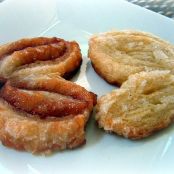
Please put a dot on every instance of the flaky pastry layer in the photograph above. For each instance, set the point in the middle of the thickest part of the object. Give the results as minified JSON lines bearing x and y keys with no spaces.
{"x":143,"y":105}
{"x":40,"y":111}
{"x":118,"y":54}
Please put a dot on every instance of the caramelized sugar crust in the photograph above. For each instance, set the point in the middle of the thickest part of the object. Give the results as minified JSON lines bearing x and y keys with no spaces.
{"x":40,"y":111}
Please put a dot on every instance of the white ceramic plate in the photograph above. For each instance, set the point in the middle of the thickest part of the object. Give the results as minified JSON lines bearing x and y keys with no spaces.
{"x":77,"y":20}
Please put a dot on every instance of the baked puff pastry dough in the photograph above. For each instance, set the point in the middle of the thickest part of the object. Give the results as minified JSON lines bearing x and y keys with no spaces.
{"x":118,"y":54}
{"x":143,"y":105}
{"x":40,"y":111}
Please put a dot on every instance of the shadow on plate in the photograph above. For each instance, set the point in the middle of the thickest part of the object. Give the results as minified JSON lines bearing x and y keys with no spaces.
{"x":161,"y":134}
{"x":94,"y":134}
{"x":98,"y":85}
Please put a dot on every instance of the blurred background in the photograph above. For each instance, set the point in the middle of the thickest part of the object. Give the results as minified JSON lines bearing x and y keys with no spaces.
{"x":164,"y":7}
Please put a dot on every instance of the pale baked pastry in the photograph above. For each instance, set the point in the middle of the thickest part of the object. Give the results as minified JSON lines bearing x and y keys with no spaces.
{"x":118,"y":54}
{"x":39,"y":110}
{"x":143,"y":104}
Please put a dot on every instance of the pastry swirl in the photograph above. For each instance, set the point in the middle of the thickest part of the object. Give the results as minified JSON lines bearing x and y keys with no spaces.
{"x":40,"y":111}
{"x":38,"y":56}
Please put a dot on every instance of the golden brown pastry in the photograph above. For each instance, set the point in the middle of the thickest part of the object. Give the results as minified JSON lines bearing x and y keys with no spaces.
{"x":118,"y":54}
{"x":39,"y":56}
{"x":39,"y":110}
{"x":143,"y":104}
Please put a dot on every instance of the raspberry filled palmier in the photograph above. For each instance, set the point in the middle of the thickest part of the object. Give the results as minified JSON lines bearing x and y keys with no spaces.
{"x":40,"y":111}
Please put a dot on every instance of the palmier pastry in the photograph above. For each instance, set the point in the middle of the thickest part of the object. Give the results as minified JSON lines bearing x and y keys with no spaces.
{"x":116,"y":55}
{"x":38,"y":56}
{"x":39,"y":110}
{"x":143,"y":104}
